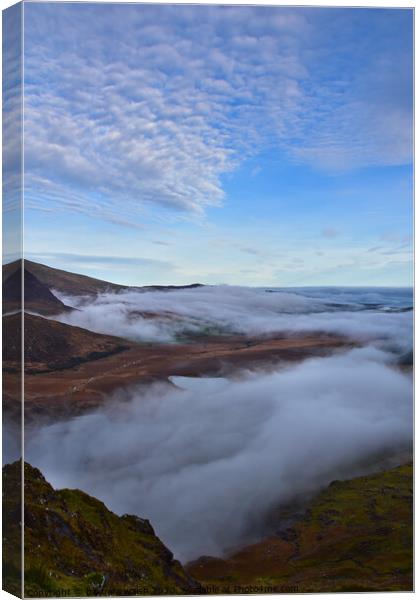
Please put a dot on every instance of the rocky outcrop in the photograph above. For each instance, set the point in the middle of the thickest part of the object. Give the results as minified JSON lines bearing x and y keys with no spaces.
{"x":75,"y":546}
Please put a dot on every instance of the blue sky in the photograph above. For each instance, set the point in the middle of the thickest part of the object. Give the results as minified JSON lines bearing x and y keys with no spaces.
{"x":240,"y":145}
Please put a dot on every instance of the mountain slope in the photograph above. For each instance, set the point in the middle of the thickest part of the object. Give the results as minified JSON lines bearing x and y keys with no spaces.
{"x":75,"y":284}
{"x":75,"y":546}
{"x":38,"y":297}
{"x":63,"y":281}
{"x":50,"y":345}
{"x":356,"y":536}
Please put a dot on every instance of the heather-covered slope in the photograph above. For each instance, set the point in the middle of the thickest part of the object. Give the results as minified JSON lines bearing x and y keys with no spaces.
{"x":356,"y":536}
{"x":75,"y":284}
{"x":37,"y":298}
{"x":75,"y":545}
{"x":50,"y":345}
{"x":63,"y":281}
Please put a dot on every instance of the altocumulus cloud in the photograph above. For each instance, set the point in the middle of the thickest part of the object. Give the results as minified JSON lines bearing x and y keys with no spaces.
{"x":150,"y":106}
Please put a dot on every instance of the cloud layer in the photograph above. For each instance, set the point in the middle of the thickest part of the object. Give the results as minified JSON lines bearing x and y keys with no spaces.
{"x":206,"y":465}
{"x":369,"y":314}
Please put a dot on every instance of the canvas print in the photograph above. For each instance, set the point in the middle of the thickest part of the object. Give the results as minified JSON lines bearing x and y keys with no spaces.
{"x":207,"y":299}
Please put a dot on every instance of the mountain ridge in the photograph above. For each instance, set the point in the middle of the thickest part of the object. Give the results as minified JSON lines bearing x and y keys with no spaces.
{"x":37,"y":295}
{"x":75,"y":284}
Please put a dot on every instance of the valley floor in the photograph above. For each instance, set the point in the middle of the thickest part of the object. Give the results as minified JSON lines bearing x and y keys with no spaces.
{"x":62,"y":392}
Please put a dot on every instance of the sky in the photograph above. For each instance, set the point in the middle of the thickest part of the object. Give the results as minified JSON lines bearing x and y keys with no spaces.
{"x":219,"y":144}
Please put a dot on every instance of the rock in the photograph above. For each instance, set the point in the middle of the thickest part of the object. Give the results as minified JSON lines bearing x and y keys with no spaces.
{"x":75,"y":546}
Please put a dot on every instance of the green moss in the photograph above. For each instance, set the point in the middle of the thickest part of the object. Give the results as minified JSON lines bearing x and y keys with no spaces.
{"x":356,"y":536}
{"x":75,"y":546}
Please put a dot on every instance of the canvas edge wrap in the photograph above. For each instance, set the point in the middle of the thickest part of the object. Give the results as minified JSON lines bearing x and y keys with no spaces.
{"x":12,"y":213}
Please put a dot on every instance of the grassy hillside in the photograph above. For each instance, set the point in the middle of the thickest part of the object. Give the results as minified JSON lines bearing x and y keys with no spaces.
{"x":50,"y":345}
{"x":75,"y":545}
{"x":356,"y":536}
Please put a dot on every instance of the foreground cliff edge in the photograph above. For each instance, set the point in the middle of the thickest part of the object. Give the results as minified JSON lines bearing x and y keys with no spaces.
{"x":75,"y":546}
{"x":355,"y":536}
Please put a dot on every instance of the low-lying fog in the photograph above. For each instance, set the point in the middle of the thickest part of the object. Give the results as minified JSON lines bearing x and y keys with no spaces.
{"x":206,"y":464}
{"x":367,"y":314}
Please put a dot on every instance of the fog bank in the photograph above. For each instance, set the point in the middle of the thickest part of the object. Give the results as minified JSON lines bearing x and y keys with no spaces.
{"x":206,"y":464}
{"x":166,"y":316}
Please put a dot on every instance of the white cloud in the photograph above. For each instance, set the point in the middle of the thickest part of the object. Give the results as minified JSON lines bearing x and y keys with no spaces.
{"x":207,"y":464}
{"x":241,"y":310}
{"x":141,"y":107}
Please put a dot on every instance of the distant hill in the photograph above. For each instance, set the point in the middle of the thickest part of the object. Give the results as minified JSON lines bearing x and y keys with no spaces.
{"x":37,"y":297}
{"x":75,"y":546}
{"x":50,"y":345}
{"x":79,"y":285}
{"x":63,"y":281}
{"x":170,"y":288}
